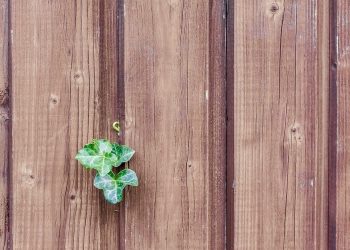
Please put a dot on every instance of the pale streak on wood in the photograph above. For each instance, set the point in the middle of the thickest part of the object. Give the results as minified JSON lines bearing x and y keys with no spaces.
{"x":278,"y":159}
{"x":342,"y":66}
{"x":166,"y":78}
{"x":56,"y":104}
{"x":321,"y":183}
{"x":4,"y":127}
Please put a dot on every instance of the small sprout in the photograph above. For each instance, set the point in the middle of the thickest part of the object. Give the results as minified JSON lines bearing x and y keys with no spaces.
{"x":116,"y":127}
{"x":103,"y":156}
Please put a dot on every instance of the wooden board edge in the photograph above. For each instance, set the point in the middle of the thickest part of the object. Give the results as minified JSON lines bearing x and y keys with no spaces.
{"x":332,"y":127}
{"x":5,"y":129}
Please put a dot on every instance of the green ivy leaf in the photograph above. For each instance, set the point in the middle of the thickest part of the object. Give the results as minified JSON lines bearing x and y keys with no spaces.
{"x":124,"y":153}
{"x":102,"y":156}
{"x":113,"y":185}
{"x":104,"y":182}
{"x":127,"y":177}
{"x":98,"y":155}
{"x":103,"y":146}
{"x":114,"y":195}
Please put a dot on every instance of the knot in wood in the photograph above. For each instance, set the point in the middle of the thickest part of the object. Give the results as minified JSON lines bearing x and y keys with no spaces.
{"x":4,"y":97}
{"x":274,"y":7}
{"x":4,"y":116}
{"x":54,"y":99}
{"x":77,"y":76}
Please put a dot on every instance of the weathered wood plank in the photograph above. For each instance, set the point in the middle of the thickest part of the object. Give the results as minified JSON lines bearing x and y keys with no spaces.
{"x":167,"y":93}
{"x":277,"y":124}
{"x":63,"y":89}
{"x":4,"y":126}
{"x":217,"y":125}
{"x":339,"y":219}
{"x":109,"y":107}
{"x":323,"y":125}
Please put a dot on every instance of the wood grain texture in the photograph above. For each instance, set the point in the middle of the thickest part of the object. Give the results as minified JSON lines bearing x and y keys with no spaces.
{"x":108,"y":107}
{"x":63,"y":96}
{"x":323,"y":78}
{"x":217,"y":125}
{"x":4,"y":126}
{"x":277,"y":124}
{"x":168,"y":86}
{"x":341,"y":85}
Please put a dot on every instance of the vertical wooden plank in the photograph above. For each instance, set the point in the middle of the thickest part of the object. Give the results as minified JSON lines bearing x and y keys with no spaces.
{"x":277,"y":124}
{"x":341,"y":85}
{"x":323,"y":125}
{"x":4,"y":125}
{"x":63,"y":96}
{"x":168,"y":86}
{"x":333,"y":130}
{"x":109,"y":107}
{"x":217,"y":125}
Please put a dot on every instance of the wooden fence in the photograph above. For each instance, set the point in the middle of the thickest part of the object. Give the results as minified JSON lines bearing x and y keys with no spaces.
{"x":238,"y":111}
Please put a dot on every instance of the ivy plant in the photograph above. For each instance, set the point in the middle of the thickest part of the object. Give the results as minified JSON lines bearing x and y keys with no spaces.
{"x":103,"y":156}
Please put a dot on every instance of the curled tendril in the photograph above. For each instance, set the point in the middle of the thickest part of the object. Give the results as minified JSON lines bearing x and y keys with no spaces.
{"x":116,"y":127}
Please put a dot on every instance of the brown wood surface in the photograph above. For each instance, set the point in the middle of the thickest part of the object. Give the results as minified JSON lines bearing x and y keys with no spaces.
{"x":277,"y":124}
{"x":169,"y":86}
{"x":63,"y":96}
{"x":260,"y":95}
{"x":4,"y":126}
{"x":339,"y":219}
